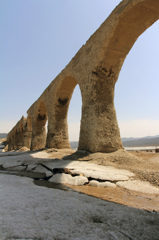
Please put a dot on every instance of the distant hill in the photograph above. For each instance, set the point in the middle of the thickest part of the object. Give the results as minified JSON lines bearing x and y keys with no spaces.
{"x":141,"y":142}
{"x":74,"y":144}
{"x":132,"y":142}
{"x":3,"y":135}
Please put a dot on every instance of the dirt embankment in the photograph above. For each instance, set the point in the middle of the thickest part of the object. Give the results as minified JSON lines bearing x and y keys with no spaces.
{"x":145,"y":166}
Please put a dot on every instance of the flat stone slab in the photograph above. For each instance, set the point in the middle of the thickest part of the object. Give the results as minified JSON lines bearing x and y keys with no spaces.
{"x":95,"y":183}
{"x":139,"y":186}
{"x":92,"y":170}
{"x":109,"y":174}
{"x":41,"y":165}
{"x":66,"y":178}
{"x":42,"y":169}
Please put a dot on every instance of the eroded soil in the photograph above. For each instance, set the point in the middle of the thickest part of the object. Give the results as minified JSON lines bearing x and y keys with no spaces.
{"x":145,"y":165}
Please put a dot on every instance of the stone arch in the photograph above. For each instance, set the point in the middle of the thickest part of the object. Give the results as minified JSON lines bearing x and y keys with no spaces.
{"x":134,"y":17}
{"x":38,"y":122}
{"x":99,"y":128}
{"x":57,"y":118}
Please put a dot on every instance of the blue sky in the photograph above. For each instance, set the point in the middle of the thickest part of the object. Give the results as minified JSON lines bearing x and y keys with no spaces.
{"x":40,"y":37}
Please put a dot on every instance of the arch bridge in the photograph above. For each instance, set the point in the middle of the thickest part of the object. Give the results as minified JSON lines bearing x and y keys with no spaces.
{"x":96,"y":68}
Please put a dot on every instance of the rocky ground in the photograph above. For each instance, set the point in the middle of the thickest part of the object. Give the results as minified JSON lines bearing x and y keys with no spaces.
{"x":128,"y":178}
{"x":145,"y":168}
{"x":32,"y":205}
{"x":135,"y":192}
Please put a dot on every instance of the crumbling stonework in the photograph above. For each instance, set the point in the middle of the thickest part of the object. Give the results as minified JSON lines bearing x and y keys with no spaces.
{"x":95,"y":68}
{"x":20,"y":135}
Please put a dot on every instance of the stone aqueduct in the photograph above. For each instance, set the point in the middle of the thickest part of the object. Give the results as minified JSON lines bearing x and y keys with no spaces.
{"x":95,"y":68}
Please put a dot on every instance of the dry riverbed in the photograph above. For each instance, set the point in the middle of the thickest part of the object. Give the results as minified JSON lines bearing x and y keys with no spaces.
{"x":130,"y":179}
{"x":41,"y":196}
{"x":145,"y":166}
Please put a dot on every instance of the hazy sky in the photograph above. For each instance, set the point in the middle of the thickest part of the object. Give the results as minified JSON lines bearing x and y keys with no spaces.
{"x":40,"y":37}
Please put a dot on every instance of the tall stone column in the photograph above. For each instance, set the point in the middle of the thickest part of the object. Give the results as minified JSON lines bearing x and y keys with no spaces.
{"x":99,"y":128}
{"x":10,"y":140}
{"x":57,"y":136}
{"x":19,"y":139}
{"x":27,"y":138}
{"x":27,"y":133}
{"x":38,"y":132}
{"x":14,"y":141}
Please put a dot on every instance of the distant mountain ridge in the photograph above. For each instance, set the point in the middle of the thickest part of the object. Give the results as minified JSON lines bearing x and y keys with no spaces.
{"x":132,"y":142}
{"x":141,"y":142}
{"x":132,"y":138}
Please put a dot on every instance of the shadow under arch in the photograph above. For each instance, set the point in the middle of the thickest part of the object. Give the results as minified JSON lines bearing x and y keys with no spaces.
{"x":57,"y":136}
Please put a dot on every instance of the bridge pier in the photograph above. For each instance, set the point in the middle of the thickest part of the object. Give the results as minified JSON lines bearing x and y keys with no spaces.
{"x":27,"y":135}
{"x":11,"y":142}
{"x":27,"y":138}
{"x":57,"y":136}
{"x":99,"y":127}
{"x":38,"y":140}
{"x":19,"y":139}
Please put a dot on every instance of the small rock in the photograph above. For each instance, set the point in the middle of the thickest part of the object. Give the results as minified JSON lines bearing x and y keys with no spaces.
{"x":40,"y":169}
{"x":5,"y":149}
{"x":67,"y":178}
{"x":101,"y":184}
{"x":94,"y":183}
